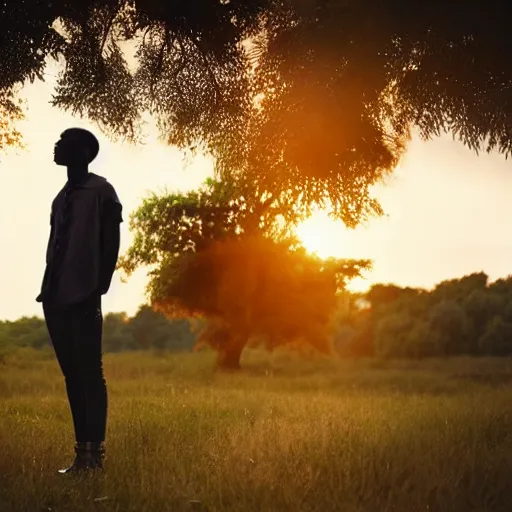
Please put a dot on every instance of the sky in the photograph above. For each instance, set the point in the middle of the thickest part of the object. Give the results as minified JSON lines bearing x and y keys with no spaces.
{"x":448,"y":211}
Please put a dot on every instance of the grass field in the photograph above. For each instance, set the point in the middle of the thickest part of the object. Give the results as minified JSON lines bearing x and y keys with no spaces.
{"x":285,"y":435}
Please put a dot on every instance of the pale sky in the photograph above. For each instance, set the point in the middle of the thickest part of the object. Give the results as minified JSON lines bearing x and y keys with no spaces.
{"x":449,"y":211}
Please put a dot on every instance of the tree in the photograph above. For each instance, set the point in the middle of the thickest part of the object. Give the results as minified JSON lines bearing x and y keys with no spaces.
{"x":481,"y":306}
{"x":403,"y":336}
{"x":458,"y":289}
{"x":497,"y":338}
{"x":25,"y":332}
{"x":450,"y":323}
{"x":146,"y":330}
{"x":116,"y":333}
{"x":467,"y":316}
{"x":380,"y":295}
{"x":502,"y":287}
{"x":307,"y":101}
{"x":151,"y":330}
{"x":219,"y":257}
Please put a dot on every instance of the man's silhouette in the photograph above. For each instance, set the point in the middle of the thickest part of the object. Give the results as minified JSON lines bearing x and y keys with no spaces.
{"x":81,"y":258}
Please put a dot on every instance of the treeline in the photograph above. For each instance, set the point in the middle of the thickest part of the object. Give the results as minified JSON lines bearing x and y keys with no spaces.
{"x":147,"y":329}
{"x":467,"y":316}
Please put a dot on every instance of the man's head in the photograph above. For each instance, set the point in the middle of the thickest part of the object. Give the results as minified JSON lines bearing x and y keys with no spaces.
{"x":76,"y":147}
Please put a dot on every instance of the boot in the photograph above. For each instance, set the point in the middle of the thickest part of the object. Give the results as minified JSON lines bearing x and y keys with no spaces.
{"x":89,"y":457}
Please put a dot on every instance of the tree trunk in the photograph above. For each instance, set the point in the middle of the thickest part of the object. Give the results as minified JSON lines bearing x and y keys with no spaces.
{"x":228,"y":358}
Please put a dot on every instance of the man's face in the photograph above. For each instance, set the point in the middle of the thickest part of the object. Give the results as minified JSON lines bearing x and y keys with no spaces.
{"x":69,"y":150}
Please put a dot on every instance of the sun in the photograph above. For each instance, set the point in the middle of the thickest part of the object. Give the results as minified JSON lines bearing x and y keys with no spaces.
{"x":323,"y":236}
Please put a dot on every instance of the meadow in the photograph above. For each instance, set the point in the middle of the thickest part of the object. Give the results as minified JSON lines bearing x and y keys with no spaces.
{"x":284,"y":435}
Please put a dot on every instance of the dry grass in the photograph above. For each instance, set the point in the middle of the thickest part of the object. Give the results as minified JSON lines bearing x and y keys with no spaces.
{"x":290,"y":436}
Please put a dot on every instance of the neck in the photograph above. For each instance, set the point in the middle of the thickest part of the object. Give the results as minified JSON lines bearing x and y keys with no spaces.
{"x":77,"y":173}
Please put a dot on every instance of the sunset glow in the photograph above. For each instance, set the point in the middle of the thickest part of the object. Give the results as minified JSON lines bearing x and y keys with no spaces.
{"x":464,"y":235}
{"x":323,"y":236}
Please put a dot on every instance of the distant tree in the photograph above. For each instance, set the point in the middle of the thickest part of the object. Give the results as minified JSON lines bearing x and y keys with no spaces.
{"x":344,"y":339}
{"x":502,"y":287}
{"x":424,"y":341}
{"x":116,"y":334}
{"x":27,"y":332}
{"x":37,"y":338}
{"x":497,"y":338}
{"x":391,"y":336}
{"x":382,"y":295}
{"x":458,"y":289}
{"x":152,"y":330}
{"x":402,"y":336}
{"x":507,"y":311}
{"x":384,"y":298}
{"x":450,"y":323}
{"x":460,"y":316}
{"x":481,"y":306}
{"x":147,"y":329}
{"x":354,"y":327}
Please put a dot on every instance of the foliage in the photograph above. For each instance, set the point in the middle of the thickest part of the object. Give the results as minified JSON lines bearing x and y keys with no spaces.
{"x":497,"y":338}
{"x":467,"y":316}
{"x":450,"y":323}
{"x":146,"y":330}
{"x":222,"y":259}
{"x":400,"y":335}
{"x":150,"y":329}
{"x":301,"y":101}
{"x":10,"y":114}
{"x":174,"y":224}
{"x":415,"y":324}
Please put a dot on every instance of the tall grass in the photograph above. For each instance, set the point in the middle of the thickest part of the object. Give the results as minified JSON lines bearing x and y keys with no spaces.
{"x":285,"y":435}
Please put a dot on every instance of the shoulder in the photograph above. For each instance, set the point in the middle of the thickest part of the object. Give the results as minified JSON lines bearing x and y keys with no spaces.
{"x":110,"y":205}
{"x":103,"y":187}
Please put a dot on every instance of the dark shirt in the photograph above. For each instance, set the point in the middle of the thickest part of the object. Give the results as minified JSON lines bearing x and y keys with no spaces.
{"x":84,"y":241}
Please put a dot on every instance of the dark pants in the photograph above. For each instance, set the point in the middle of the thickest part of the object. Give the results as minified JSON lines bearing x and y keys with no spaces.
{"x":76,"y":333}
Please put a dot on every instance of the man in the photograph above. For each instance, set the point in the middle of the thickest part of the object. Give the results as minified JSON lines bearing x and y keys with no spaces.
{"x":81,"y":258}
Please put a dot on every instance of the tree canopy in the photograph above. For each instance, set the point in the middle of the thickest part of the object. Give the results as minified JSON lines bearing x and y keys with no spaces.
{"x":466,"y":316}
{"x":304,"y":100}
{"x":214,"y":256}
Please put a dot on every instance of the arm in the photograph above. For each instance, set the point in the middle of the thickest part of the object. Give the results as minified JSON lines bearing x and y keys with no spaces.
{"x":52,"y":234}
{"x":44,"y":285}
{"x":111,"y":218}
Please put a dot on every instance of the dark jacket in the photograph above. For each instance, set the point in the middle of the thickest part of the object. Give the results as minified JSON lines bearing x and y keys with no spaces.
{"x":84,"y":242}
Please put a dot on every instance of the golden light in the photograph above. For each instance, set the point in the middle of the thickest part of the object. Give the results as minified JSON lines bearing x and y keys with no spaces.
{"x":326,"y":238}
{"x":323,"y":236}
